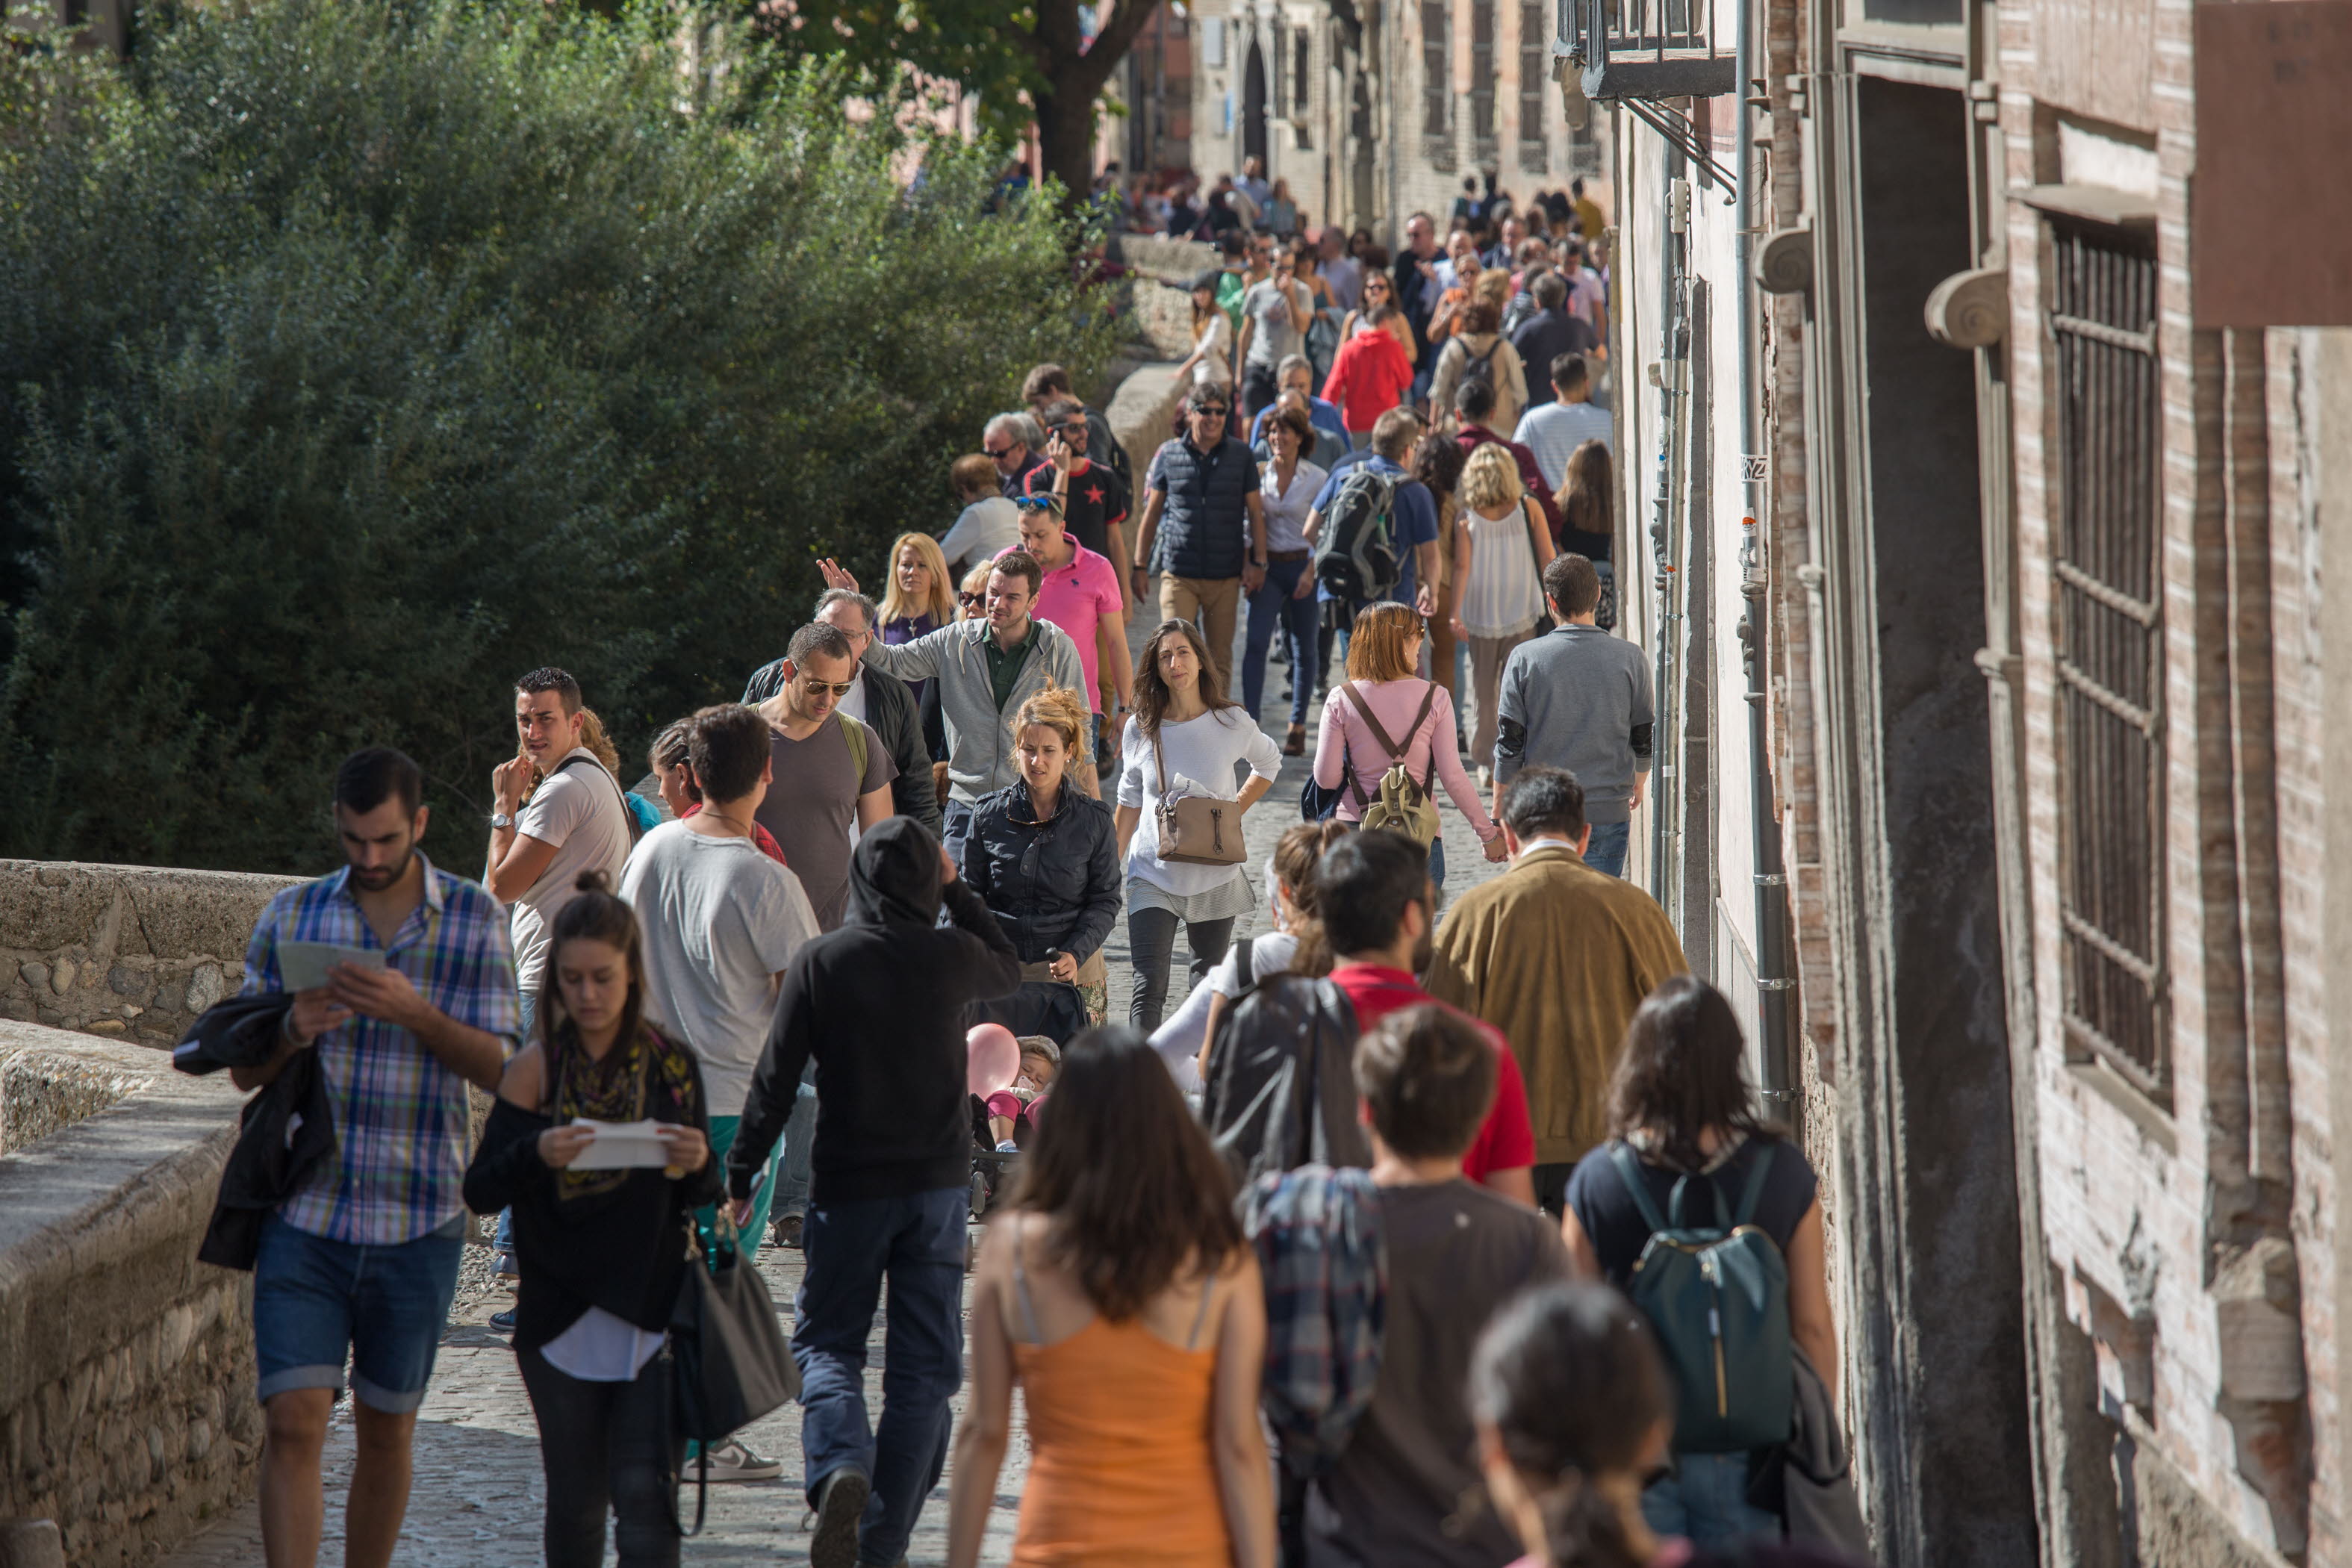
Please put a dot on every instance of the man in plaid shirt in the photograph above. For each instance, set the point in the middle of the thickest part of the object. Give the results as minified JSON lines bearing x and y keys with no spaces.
{"x":363,"y":1261}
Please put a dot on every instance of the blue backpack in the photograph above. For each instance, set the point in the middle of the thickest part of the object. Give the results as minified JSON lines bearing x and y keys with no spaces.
{"x":1717,"y":1300}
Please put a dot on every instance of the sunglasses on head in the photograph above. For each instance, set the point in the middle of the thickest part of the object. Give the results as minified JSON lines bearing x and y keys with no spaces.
{"x":1036,"y":503}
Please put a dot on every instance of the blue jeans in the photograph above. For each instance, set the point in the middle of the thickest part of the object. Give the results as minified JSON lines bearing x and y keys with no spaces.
{"x":1707,"y":1499}
{"x":316,"y":1301}
{"x":918,"y":1243}
{"x":1606,"y":852}
{"x":799,"y":1149}
{"x":1272,"y":609}
{"x":1437,"y":862}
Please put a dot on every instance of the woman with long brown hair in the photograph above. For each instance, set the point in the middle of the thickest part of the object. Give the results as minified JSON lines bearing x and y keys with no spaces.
{"x":601,"y":1251}
{"x":1185,"y":737}
{"x":1116,"y":1291}
{"x":1587,"y":522}
{"x":1480,"y":341}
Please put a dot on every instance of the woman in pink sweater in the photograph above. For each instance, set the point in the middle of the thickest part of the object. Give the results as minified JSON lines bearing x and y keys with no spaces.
{"x":1383,"y":653}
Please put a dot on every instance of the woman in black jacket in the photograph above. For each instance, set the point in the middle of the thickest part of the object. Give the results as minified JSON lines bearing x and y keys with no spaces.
{"x":1046,"y":858}
{"x":601,"y":1251}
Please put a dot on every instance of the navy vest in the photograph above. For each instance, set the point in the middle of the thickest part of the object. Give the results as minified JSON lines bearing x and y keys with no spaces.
{"x":1205,"y":527}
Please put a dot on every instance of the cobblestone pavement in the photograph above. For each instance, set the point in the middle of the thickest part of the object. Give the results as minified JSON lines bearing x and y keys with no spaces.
{"x":477,"y":1496}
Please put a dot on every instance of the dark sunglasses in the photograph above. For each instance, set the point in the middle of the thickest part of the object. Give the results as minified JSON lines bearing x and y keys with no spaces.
{"x":998,"y":452}
{"x":971,"y":601}
{"x":838,"y":688}
{"x":1214,"y":410}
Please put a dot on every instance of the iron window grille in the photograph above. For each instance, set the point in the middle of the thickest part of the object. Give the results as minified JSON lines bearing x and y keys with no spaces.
{"x":1437,"y":81}
{"x":1482,"y":80}
{"x":2110,"y":650}
{"x":1642,"y":51}
{"x":1535,"y":77}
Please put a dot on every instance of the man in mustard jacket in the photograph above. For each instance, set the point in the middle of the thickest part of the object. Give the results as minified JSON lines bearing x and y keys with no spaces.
{"x":1557,"y":955}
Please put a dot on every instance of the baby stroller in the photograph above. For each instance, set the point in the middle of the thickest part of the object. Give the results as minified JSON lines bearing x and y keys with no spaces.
{"x":993,"y":1167}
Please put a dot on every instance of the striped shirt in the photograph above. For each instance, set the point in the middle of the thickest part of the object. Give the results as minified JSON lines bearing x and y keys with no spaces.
{"x":401,"y":1118}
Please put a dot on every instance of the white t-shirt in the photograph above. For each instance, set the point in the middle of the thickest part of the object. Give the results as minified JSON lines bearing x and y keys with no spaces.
{"x":578,"y":811}
{"x":986,"y":530}
{"x":1205,"y":750}
{"x":720,"y":922}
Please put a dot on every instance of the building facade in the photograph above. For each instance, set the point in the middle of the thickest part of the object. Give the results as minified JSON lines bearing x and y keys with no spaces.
{"x":1373,"y":110}
{"x":2018,"y":859}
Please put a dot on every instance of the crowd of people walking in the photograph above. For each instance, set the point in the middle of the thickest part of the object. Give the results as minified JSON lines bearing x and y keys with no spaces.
{"x":1258,"y":1311}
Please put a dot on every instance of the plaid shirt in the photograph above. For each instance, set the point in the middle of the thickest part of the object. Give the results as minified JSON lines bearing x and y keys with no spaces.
{"x":401,"y":1125}
{"x":1316,"y":1231}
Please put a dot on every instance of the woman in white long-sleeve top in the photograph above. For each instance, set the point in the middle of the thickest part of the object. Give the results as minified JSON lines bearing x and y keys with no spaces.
{"x":1184,"y":727}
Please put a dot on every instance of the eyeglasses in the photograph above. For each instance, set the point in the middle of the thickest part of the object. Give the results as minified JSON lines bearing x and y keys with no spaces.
{"x":971,"y":601}
{"x":999,"y":453}
{"x":1209,"y":410}
{"x":1036,"y":503}
{"x":838,"y":688}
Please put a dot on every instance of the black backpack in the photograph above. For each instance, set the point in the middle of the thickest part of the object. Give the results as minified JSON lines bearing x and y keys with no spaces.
{"x":1281,"y":1092}
{"x":1480,"y":367}
{"x":1355,"y":554}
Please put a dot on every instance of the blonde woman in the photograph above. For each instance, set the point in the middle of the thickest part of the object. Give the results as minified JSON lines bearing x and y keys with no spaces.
{"x":921,"y":598}
{"x":1043,"y":855}
{"x":1501,"y":546}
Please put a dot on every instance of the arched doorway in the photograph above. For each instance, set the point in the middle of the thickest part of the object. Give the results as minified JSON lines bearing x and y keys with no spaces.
{"x":1253,"y":105}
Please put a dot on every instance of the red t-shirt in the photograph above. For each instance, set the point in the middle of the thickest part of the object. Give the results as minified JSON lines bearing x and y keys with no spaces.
{"x":1369,"y":376}
{"x":1507,"y":1138}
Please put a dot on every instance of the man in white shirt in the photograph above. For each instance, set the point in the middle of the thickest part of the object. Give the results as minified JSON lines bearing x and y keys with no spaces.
{"x":1554,"y":431}
{"x":721,"y":922}
{"x":990,"y":523}
{"x":575,"y":821}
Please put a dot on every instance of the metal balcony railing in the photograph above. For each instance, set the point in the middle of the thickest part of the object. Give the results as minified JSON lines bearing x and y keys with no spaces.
{"x":1651,"y":49}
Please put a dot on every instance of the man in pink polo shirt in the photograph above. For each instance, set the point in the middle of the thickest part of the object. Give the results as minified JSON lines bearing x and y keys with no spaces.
{"x":1081,"y":595}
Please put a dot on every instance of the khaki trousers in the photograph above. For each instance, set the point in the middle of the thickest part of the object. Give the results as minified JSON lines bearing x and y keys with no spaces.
{"x":1215,"y":603}
{"x":1487,"y":656}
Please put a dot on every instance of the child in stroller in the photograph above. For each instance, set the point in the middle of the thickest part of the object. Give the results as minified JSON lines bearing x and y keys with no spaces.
{"x":1002,"y":1121}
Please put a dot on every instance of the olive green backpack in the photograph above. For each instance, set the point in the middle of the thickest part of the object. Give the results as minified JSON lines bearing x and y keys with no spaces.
{"x":1404,"y":804}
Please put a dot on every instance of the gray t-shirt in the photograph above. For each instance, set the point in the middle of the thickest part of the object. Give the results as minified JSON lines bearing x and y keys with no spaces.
{"x":1274,"y":336}
{"x":721,"y":921}
{"x":578,"y":811}
{"x":812,"y":805}
{"x":1455,"y":1253}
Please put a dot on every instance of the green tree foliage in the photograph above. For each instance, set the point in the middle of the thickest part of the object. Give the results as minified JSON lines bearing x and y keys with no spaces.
{"x":354,"y":359}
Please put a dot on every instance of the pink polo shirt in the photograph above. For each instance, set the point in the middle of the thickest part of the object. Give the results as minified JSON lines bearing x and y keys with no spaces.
{"x":1075,"y":598}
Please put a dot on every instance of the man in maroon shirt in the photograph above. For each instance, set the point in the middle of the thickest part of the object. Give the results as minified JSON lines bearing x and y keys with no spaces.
{"x":1373,"y":896}
{"x":1474,"y":405}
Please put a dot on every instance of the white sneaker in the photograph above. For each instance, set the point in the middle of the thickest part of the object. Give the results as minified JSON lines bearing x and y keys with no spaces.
{"x":731,"y":1462}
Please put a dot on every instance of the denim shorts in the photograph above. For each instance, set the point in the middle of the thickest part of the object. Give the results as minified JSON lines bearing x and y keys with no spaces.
{"x":318,"y":1302}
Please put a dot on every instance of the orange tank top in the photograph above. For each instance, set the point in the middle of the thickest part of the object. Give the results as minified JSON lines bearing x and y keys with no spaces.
{"x":1121,"y":1467}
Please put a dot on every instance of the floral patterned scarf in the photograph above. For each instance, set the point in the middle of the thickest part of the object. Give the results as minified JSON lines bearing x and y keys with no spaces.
{"x":614,"y":1089}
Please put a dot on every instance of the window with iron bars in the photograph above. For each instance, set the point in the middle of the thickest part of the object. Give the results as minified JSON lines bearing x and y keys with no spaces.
{"x":2110,"y":650}
{"x":1535,"y":76}
{"x":1302,"y":72}
{"x":1482,"y":78}
{"x":1436,"y":69}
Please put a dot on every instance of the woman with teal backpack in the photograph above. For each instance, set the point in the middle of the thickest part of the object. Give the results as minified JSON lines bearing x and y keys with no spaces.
{"x":1711,"y":1220}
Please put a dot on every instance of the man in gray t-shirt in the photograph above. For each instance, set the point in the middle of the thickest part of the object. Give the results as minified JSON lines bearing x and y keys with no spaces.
{"x":831,"y":770}
{"x":1275,"y":315}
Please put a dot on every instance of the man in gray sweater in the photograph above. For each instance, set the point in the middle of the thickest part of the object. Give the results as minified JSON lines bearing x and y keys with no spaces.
{"x":986,"y":668}
{"x":1578,"y":697}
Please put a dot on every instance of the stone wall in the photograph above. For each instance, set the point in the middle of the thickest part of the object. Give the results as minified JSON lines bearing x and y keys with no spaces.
{"x":126,"y":1367}
{"x":122,"y":951}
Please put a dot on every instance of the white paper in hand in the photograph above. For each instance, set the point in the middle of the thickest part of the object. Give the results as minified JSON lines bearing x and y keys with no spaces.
{"x":621,"y":1146}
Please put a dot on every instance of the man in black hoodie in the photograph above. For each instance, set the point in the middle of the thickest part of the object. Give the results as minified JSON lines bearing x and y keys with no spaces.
{"x":880,"y":1004}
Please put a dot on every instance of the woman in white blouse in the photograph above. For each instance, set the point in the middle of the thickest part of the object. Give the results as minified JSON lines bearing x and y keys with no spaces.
{"x":1500,"y":547}
{"x":1184,"y":727}
{"x":1284,"y":602}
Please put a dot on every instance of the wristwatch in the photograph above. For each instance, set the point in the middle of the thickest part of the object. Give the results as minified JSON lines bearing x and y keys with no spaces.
{"x":499,"y":819}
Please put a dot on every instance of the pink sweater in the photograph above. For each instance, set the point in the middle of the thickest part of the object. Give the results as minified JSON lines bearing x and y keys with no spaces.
{"x":1394,"y":702}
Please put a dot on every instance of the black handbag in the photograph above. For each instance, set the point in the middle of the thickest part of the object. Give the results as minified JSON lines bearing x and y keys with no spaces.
{"x":731,"y":1363}
{"x":1316,"y":804}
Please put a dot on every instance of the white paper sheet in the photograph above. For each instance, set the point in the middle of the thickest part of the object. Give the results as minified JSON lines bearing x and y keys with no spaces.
{"x":621,"y":1146}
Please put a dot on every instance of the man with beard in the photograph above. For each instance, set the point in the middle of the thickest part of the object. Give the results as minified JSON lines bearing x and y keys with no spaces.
{"x":360,"y":1262}
{"x":879,"y":1006}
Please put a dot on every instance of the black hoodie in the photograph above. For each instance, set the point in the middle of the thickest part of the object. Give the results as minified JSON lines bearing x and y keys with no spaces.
{"x":880,"y":1005}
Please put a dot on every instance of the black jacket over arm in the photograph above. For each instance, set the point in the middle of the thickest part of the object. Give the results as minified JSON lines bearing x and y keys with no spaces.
{"x":879,"y":1004}
{"x":1053,"y":884}
{"x":624,"y":1250}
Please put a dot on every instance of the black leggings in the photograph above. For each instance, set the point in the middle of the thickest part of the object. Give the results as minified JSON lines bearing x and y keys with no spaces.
{"x":1152,"y":946}
{"x":605,"y":1445}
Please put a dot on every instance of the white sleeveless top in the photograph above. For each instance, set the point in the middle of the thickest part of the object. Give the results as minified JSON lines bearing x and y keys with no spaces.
{"x":1503,"y":596}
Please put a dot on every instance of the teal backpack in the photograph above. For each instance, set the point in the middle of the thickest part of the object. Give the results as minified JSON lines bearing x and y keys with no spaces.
{"x":1717,"y":1300}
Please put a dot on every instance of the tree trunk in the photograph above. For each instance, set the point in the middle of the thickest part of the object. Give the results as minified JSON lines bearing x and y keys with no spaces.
{"x":1074,"y":79}
{"x":1065,"y":140}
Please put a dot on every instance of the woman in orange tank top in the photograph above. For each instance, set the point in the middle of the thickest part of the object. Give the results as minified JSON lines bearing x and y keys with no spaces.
{"x":1116,"y":1289}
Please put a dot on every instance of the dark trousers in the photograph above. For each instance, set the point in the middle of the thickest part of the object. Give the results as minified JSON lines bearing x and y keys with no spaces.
{"x":1272,"y":610}
{"x":1259,"y":388}
{"x":605,"y":1445}
{"x":916,"y":1242}
{"x":1151,"y":946}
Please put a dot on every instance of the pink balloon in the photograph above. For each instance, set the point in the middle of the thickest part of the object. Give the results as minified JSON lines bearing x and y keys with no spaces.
{"x":992,"y":1058}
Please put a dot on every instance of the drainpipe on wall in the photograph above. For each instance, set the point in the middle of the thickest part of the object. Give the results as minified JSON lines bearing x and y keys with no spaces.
{"x":1774,"y":981}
